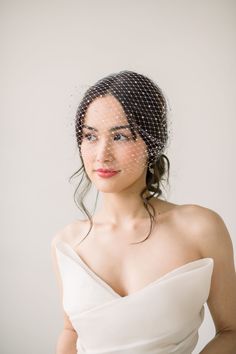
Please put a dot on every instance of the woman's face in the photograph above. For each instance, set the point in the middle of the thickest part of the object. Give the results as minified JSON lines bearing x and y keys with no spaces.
{"x":105,"y":145}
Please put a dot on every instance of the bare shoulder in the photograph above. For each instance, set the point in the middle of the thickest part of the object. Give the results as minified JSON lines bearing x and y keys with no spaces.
{"x":209,"y":232}
{"x":206,"y":227}
{"x":196,"y":216}
{"x":70,"y":232}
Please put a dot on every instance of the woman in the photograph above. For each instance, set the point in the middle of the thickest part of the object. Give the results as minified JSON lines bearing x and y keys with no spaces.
{"x":137,"y":280}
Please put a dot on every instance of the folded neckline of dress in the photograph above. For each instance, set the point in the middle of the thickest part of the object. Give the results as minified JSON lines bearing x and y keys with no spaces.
{"x":192,"y":265}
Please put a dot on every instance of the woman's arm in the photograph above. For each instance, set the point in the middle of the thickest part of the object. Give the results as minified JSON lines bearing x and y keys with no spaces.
{"x":214,"y":241}
{"x":66,"y":343}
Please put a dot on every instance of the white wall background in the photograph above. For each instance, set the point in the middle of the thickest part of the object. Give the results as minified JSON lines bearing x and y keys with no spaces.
{"x":50,"y":49}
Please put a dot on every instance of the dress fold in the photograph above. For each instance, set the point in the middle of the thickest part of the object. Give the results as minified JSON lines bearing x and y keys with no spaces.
{"x":163,"y":317}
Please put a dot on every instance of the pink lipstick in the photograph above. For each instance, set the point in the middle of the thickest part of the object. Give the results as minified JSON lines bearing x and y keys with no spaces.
{"x":106,"y":173}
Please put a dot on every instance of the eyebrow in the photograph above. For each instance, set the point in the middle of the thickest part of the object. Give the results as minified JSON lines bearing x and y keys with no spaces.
{"x":111,"y":129}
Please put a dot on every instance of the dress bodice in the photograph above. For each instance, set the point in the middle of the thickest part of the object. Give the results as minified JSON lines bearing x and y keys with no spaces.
{"x":163,"y":317}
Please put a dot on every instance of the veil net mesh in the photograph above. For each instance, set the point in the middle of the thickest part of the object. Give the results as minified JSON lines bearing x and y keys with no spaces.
{"x":122,"y":124}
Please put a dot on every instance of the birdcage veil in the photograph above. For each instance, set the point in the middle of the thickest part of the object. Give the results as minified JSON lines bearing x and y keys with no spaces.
{"x":144,"y":106}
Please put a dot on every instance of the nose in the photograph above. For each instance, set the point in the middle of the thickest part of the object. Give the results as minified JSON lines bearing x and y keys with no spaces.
{"x":104,"y":151}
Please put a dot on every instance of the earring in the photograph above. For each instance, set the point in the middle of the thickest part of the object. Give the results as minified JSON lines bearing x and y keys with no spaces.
{"x":151,"y":170}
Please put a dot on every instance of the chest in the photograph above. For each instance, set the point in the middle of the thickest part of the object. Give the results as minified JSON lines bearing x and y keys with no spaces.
{"x":128,"y":268}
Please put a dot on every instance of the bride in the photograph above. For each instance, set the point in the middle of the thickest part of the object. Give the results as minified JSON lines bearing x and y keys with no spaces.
{"x":134,"y":277}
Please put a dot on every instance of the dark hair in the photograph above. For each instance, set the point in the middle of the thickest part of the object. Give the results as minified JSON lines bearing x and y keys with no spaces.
{"x":128,"y":87}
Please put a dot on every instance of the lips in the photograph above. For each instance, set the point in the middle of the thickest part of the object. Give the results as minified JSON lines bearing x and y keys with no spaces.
{"x":105,"y":170}
{"x":103,"y":173}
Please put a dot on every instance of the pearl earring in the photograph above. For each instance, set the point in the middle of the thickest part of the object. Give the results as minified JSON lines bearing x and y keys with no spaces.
{"x":150,"y":168}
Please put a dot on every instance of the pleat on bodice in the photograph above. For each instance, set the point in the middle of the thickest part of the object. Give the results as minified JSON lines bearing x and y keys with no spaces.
{"x":163,"y":317}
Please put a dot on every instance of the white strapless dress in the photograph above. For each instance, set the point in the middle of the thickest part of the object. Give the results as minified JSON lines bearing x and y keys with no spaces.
{"x":163,"y":317}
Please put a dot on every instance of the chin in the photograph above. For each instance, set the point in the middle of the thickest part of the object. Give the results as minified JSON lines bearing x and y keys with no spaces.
{"x":107,"y":188}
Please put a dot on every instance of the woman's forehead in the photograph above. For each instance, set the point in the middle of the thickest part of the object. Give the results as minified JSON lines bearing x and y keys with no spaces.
{"x":105,"y":112}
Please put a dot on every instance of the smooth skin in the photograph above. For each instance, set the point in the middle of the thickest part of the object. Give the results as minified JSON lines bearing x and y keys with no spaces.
{"x":181,"y":233}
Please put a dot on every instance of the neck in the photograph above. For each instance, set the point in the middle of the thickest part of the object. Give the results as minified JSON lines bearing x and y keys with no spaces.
{"x":122,"y":208}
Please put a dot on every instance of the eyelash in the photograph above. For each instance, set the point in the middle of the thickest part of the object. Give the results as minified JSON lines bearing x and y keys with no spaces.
{"x":127,"y":138}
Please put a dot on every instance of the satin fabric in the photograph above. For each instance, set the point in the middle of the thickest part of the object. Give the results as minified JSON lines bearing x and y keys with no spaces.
{"x":163,"y":317}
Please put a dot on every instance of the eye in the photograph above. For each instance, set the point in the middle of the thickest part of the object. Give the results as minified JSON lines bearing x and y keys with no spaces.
{"x":87,"y":136}
{"x":119,"y":134}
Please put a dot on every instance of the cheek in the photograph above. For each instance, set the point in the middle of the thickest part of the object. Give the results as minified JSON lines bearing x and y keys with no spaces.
{"x":133,"y":159}
{"x":87,"y":159}
{"x":87,"y":153}
{"x":137,"y":154}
